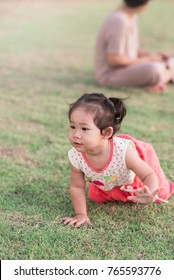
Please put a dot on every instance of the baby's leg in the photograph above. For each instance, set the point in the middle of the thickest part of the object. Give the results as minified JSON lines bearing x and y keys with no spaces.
{"x":148,"y":154}
{"x":98,"y":195}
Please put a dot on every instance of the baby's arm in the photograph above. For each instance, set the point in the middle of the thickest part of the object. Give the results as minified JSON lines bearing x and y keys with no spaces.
{"x":146,"y":175}
{"x":77,"y":191}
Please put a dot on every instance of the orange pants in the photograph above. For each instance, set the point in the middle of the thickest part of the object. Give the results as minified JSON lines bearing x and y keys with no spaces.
{"x":100,"y":196}
{"x":148,"y":154}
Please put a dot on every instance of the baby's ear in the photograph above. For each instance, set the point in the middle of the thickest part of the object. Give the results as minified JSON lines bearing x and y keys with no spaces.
{"x":107,"y":132}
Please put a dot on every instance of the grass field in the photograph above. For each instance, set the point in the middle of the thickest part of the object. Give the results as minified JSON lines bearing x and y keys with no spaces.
{"x":46,"y":61}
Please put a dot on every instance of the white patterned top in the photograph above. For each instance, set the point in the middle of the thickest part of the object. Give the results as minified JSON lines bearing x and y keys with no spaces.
{"x":115,"y":173}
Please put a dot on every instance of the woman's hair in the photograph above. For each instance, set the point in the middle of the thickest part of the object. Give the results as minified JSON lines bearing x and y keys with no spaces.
{"x":135,"y":3}
{"x":106,"y":111}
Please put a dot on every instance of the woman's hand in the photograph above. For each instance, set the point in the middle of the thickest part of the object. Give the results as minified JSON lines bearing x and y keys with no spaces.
{"x":156,"y":57}
{"x":142,"y":195}
{"x":77,"y":220}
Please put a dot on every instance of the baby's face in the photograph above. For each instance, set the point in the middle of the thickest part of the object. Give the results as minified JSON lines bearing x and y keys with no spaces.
{"x":84,"y":135}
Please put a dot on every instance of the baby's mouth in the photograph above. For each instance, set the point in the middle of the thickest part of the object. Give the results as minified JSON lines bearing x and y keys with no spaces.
{"x":77,"y":144}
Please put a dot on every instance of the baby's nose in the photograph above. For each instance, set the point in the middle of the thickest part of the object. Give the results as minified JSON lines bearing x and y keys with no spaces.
{"x":76,"y":134}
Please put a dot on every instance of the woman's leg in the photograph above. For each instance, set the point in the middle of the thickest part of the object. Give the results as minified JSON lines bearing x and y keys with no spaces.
{"x":141,"y":75}
{"x":170,"y":64}
{"x":167,"y":77}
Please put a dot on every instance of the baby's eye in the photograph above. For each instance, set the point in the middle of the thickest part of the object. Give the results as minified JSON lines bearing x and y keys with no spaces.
{"x":72,"y":126}
{"x":85,"y":129}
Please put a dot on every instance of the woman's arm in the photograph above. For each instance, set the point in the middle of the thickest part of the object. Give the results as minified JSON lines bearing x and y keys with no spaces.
{"x":146,"y":175}
{"x":77,"y":192}
{"x":142,"y":53}
{"x":117,"y":60}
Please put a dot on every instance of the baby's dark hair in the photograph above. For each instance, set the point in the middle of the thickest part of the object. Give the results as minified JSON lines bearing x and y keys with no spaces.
{"x":135,"y":3}
{"x":106,"y":111}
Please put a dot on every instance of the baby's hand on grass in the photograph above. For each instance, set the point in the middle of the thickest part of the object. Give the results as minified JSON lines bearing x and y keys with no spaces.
{"x":142,"y":195}
{"x":77,"y":220}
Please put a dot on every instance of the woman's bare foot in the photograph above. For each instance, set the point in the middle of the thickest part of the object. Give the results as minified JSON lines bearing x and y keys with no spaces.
{"x":156,"y":88}
{"x":170,"y":64}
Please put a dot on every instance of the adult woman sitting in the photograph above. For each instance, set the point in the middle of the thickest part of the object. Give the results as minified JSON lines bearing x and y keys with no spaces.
{"x":119,"y":59}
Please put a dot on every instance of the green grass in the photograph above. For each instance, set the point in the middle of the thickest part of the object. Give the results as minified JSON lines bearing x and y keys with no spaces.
{"x":46,"y":54}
